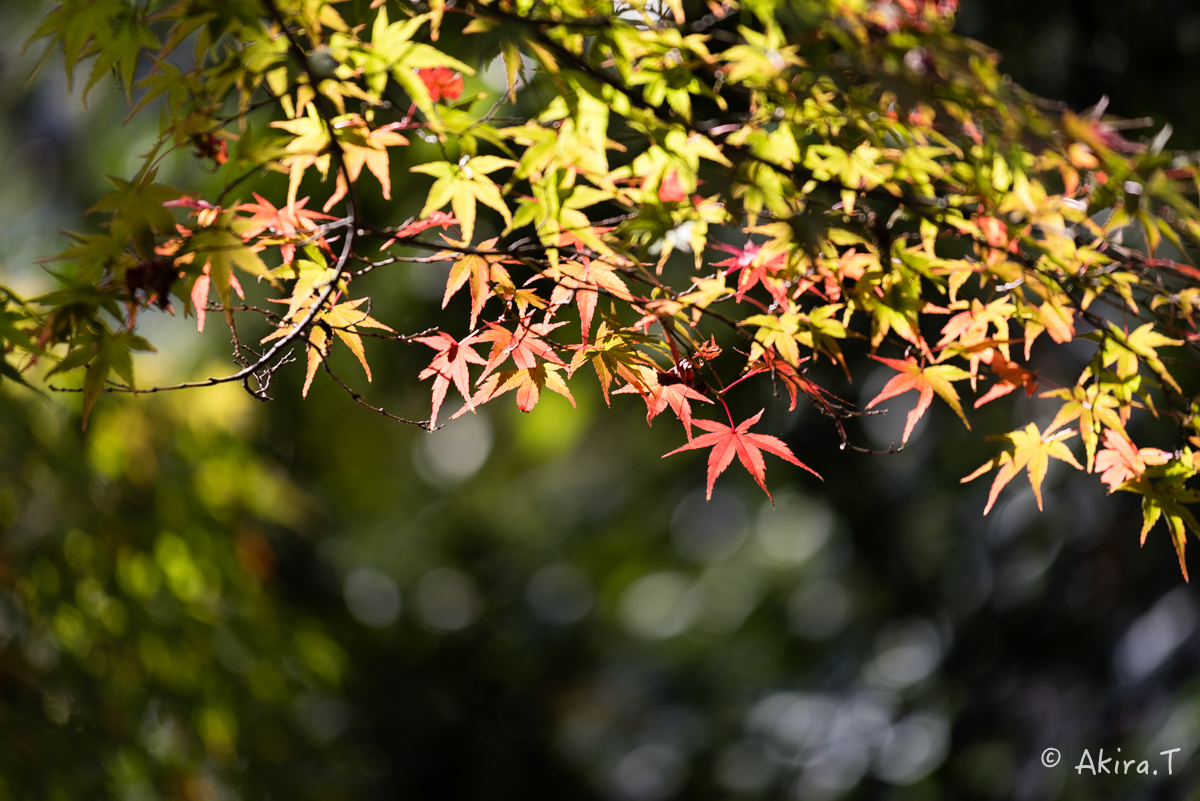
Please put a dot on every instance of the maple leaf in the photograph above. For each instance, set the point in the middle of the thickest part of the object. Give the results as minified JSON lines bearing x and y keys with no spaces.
{"x":794,"y":382}
{"x":1141,"y":343}
{"x":204,"y":212}
{"x":449,"y":365}
{"x":1165,"y":501}
{"x":756,"y":265}
{"x":363,"y":146}
{"x":443,"y":83}
{"x":527,"y":381}
{"x":727,"y":441}
{"x":101,"y":352}
{"x":310,"y":275}
{"x":318,"y":349}
{"x":394,"y":47}
{"x":969,"y":327}
{"x":525,"y":344}
{"x":1122,"y":461}
{"x":482,"y":270}
{"x":345,"y":319}
{"x":309,"y":148}
{"x":222,"y":247}
{"x":1092,"y":408}
{"x":927,"y":381}
{"x":439,"y":219}
{"x":614,"y":353}
{"x":670,"y":190}
{"x":1055,"y":320}
{"x":586,"y":278}
{"x":707,"y":291}
{"x":463,"y":185}
{"x":1031,"y":450}
{"x":969,"y":330}
{"x":777,"y":334}
{"x":659,"y":397}
{"x":286,"y":223}
{"x":1012,"y":375}
{"x":200,"y":293}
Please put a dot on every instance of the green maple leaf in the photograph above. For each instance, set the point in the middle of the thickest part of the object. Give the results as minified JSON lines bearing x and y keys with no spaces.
{"x":102,"y":352}
{"x":1142,"y":343}
{"x":778,"y":333}
{"x":462,"y":186}
{"x":1092,"y":408}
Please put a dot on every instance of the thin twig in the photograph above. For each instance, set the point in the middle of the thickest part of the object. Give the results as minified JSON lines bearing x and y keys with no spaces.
{"x":361,"y":401}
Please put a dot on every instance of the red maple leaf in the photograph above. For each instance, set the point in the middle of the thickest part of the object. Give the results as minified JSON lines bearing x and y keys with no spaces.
{"x":794,"y":382}
{"x":435,"y":220}
{"x":287,"y":223}
{"x":755,"y":269}
{"x":443,"y":83}
{"x":200,"y":294}
{"x":670,"y":190}
{"x":728,"y":441}
{"x":450,"y":364}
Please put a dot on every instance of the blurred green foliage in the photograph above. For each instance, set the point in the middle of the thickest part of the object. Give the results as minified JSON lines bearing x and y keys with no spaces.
{"x":143,"y":645}
{"x":209,"y":598}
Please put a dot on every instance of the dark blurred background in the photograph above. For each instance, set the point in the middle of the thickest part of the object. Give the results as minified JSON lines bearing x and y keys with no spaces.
{"x":209,"y":598}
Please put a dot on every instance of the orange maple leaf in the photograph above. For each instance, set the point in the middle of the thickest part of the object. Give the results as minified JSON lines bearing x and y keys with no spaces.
{"x":586,"y":279}
{"x":482,"y":269}
{"x":728,"y":441}
{"x":1056,"y":321}
{"x":362,"y":146}
{"x":1012,"y":375}
{"x":1122,"y":461}
{"x":926,"y":380}
{"x":969,"y":330}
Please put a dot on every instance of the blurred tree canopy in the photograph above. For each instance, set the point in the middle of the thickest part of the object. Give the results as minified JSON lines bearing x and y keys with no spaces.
{"x":206,"y":597}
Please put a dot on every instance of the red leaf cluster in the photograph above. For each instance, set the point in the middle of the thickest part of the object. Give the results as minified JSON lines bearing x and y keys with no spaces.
{"x":443,"y":83}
